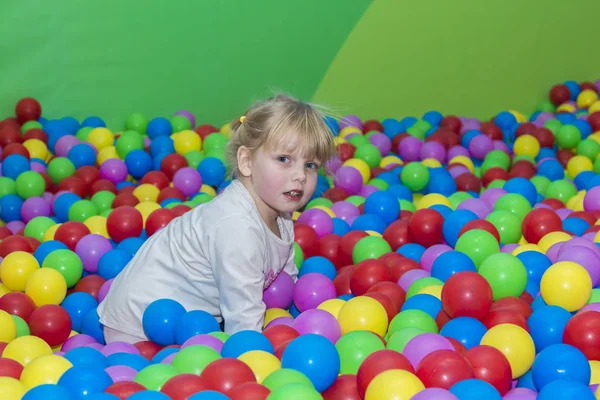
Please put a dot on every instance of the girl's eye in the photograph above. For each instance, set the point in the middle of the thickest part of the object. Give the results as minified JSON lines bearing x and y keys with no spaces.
{"x":283,"y":159}
{"x":312,"y":165}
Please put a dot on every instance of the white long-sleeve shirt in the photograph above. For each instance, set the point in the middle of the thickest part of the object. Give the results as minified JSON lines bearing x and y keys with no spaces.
{"x":218,"y":257}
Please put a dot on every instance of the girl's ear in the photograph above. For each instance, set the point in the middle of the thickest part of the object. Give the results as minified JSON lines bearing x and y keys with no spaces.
{"x":244,"y":159}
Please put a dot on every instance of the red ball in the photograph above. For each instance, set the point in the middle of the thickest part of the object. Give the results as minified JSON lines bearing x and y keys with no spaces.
{"x":15,"y":148}
{"x":158,"y":219}
{"x":491,"y":130}
{"x":504,"y":316}
{"x":123,"y":390}
{"x":372,"y":125}
{"x":441,"y":319}
{"x":36,"y":133}
{"x":28,"y":109}
{"x":307,"y":239}
{"x":335,"y":194}
{"x":51,"y":323}
{"x":345,"y":151}
{"x":17,"y":303}
{"x":443,"y":368}
{"x":492,"y":174}
{"x":205,"y":130}
{"x":559,"y":94}
{"x":513,"y":303}
{"x":554,"y":203}
{"x":545,"y":137}
{"x":125,"y":200}
{"x":583,"y":332}
{"x":103,"y":185}
{"x":329,"y":247}
{"x":564,"y":155}
{"x":279,"y":350}
{"x":342,"y":284}
{"x":491,"y":365}
{"x":249,"y":391}
{"x":396,"y":234}
{"x":480,"y":224}
{"x":386,"y":302}
{"x":180,"y":209}
{"x":279,"y":334}
{"x":182,"y":386}
{"x":70,"y":233}
{"x":345,"y":387}
{"x":90,"y":284}
{"x":156,"y":178}
{"x":458,"y":346}
{"x":527,"y":298}
{"x":468,"y":182}
{"x":10,"y":368}
{"x":588,"y":86}
{"x":368,"y":273}
{"x":88,"y":174}
{"x":172,"y":163}
{"x":467,"y":294}
{"x":4,"y":232}
{"x":451,"y":122}
{"x":401,"y":266}
{"x":527,"y":128}
{"x":148,"y":349}
{"x":73,"y":184}
{"x":425,"y":227}
{"x":539,"y":222}
{"x":584,"y":215}
{"x":14,"y":243}
{"x":391,"y":289}
{"x":10,"y":134}
{"x":124,"y":222}
{"x":594,"y":121}
{"x":225,"y":374}
{"x":378,"y":362}
{"x":126,"y":189}
{"x":170,"y":193}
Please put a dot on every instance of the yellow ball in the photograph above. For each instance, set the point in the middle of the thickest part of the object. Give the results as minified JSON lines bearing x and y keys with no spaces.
{"x":566,"y":107}
{"x":586,"y":98}
{"x":431,"y":163}
{"x":551,"y":239}
{"x":11,"y":389}
{"x":101,"y":138}
{"x":515,"y":343}
{"x":25,"y":349}
{"x":527,"y":145}
{"x":595,"y":367}
{"x":225,"y":128}
{"x":146,"y":208}
{"x":578,"y":164}
{"x":8,"y":328}
{"x":50,"y":232}
{"x":526,"y":247}
{"x":46,"y":286}
{"x":295,"y":215}
{"x":261,"y":363}
{"x":186,"y":141}
{"x":519,"y":116}
{"x":575,"y":203}
{"x":146,"y":192}
{"x":106,"y":153}
{"x":373,"y":233}
{"x":394,"y":384}
{"x":433,"y":290}
{"x":36,"y":148}
{"x":97,"y":225}
{"x":363,"y":313}
{"x":432,"y":199}
{"x":4,"y":290}
{"x":339,"y":140}
{"x":390,"y":160}
{"x":208,"y":190}
{"x":274,"y":313}
{"x":463,"y":160}
{"x":326,"y":209}
{"x":566,"y":284}
{"x":349,"y":130}
{"x":16,"y":268}
{"x":44,"y":370}
{"x":361,"y":166}
{"x":594,"y":107}
{"x":332,"y":306}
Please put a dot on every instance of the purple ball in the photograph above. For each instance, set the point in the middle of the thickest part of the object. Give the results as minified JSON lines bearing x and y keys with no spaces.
{"x":279,"y":293}
{"x":349,"y":179}
{"x":350,"y":120}
{"x":121,"y":373}
{"x":433,"y":150}
{"x":188,"y":180}
{"x":318,"y":322}
{"x":367,"y":190}
{"x":509,"y":248}
{"x":333,"y":164}
{"x":591,"y":200}
{"x":38,"y":167}
{"x":409,"y":149}
{"x":563,"y":213}
{"x":90,"y":249}
{"x":311,"y":290}
{"x":35,"y":207}
{"x":477,"y":206}
{"x":96,"y":346}
{"x":457,"y":151}
{"x":169,"y":359}
{"x":205,"y":340}
{"x":188,"y":115}
{"x":543,"y":117}
{"x":430,"y":255}
{"x":409,"y":277}
{"x":49,"y":197}
{"x":119,"y":347}
{"x":500,"y":145}
{"x":104,"y":290}
{"x":382,"y":142}
{"x":15,"y":226}
{"x":317,"y":219}
{"x":552,"y":252}
{"x":520,"y":394}
{"x":287,"y":321}
{"x":480,"y":145}
{"x":113,"y":170}
{"x":434,"y":394}
{"x":64,"y":144}
{"x":75,"y":341}
{"x":420,"y":346}
{"x":583,"y":256}
{"x":345,"y":210}
{"x":490,"y":196}
{"x":458,"y":170}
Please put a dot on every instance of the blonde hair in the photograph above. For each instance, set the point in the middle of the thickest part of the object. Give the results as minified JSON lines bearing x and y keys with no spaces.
{"x":281,"y":122}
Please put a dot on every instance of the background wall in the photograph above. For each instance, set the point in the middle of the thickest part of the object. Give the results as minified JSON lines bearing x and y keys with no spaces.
{"x":384,"y":58}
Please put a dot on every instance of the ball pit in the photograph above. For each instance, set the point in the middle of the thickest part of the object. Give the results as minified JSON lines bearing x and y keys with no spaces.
{"x":443,"y":258}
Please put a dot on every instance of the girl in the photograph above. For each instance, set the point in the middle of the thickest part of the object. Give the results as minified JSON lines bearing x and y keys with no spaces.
{"x":220,"y":256}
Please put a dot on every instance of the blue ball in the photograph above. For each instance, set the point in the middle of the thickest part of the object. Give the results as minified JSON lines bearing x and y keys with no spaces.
{"x":44,"y":249}
{"x":413,"y":251}
{"x":574,"y":90}
{"x":551,"y":169}
{"x":47,"y":392}
{"x":442,"y":209}
{"x":468,"y":136}
{"x":314,"y":356}
{"x":523,"y":187}
{"x":454,"y":222}
{"x":159,"y":126}
{"x":134,"y":361}
{"x":162,"y":144}
{"x":77,"y":305}
{"x":91,"y":326}
{"x":83,"y":381}
{"x":423,"y":302}
{"x":475,"y":389}
{"x":536,"y":264}
{"x":583,"y":178}
{"x":82,"y":154}
{"x":566,"y":118}
{"x":93,"y":122}
{"x":10,"y":208}
{"x":450,"y":263}
{"x":526,"y":381}
{"x":340,"y":227}
{"x":246,"y":340}
{"x":505,"y":120}
{"x":160,"y":320}
{"x":194,"y":323}
{"x":212,"y":170}
{"x":400,"y":191}
{"x":595,"y":181}
{"x":138,"y":163}
{"x":390,"y":177}
{"x":538,"y":302}
{"x":566,"y":389}
{"x":468,"y":331}
{"x":158,"y":160}
{"x":294,"y":310}
{"x":62,"y":205}
{"x":319,"y":265}
{"x":583,"y":126}
{"x":101,"y":396}
{"x":70,"y":124}
{"x":131,"y":245}
{"x":383,"y":204}
{"x":391,"y":127}
{"x":369,"y":222}
{"x":576,"y":226}
{"x":86,"y":357}
{"x":112,"y":263}
{"x":206,"y":395}
{"x":149,"y":395}
{"x":560,"y":361}
{"x":345,"y":297}
{"x":333,"y":125}
{"x":433,"y":117}
{"x":14,"y":165}
{"x":164,"y":353}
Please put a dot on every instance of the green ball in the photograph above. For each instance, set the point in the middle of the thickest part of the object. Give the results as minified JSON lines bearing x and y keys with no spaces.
{"x":356,"y":200}
{"x":30,"y":184}
{"x":172,"y":205}
{"x":82,"y":210}
{"x":67,"y":263}
{"x":398,"y":340}
{"x":554,"y":125}
{"x":286,"y":376}
{"x":298,"y":256}
{"x":154,"y":376}
{"x":597,"y":166}
{"x":588,"y":148}
{"x":415,"y":176}
{"x":105,"y":213}
{"x":369,"y":247}
{"x":505,"y":273}
{"x":507,"y":224}
{"x":222,"y":336}
{"x":496,"y":184}
{"x":369,"y":153}
{"x":103,"y":200}
{"x":546,"y":106}
{"x":180,"y":123}
{"x":7,"y":186}
{"x":416,"y":132}
{"x":59,"y":169}
{"x":358,"y":140}
{"x":319,"y":201}
{"x":413,"y":319}
{"x":30,"y":125}
{"x":498,"y":157}
{"x":422,"y":125}
{"x":489,"y":164}
{"x":379,"y":183}
{"x":458,"y":197}
{"x":407,"y":205}
{"x":568,"y":137}
{"x":22,"y":327}
{"x":354,"y":347}
{"x":214,"y":141}
{"x":37,"y":227}
{"x":515,"y":203}
{"x":202,"y":198}
{"x":422,"y":283}
{"x":478,"y":245}
{"x":562,"y":190}
{"x":295,"y":391}
{"x":193,"y":359}
{"x":194,"y":158}
{"x":129,"y":141}
{"x":541,"y":183}
{"x":371,"y":133}
{"x":595,"y":297}
{"x":217,"y":153}
{"x":137,"y":122}
{"x":83,"y":133}
{"x":523,"y":157}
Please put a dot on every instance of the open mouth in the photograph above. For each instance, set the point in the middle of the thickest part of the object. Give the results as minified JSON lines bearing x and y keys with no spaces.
{"x":294,"y":195}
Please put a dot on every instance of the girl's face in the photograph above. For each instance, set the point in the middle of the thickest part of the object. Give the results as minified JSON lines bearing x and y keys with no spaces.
{"x":280,"y":180}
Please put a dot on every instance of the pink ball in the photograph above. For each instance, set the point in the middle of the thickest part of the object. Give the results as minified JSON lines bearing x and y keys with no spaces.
{"x":75,"y":341}
{"x":382,"y":142}
{"x":311,"y":290}
{"x":119,"y":347}
{"x":317,"y":219}
{"x":121,"y":373}
{"x":457,"y":151}
{"x":345,"y":210}
{"x":113,"y":170}
{"x":350,"y":120}
{"x":318,"y":322}
{"x":188,"y":180}
{"x":478,"y":206}
{"x":591,"y":200}
{"x":367,"y":190}
{"x":480,"y":145}
{"x":34,"y":207}
{"x":409,"y":148}
{"x":15,"y":226}
{"x":433,"y":150}
{"x":104,"y":290}
{"x":204,"y":340}
{"x":90,"y":249}
{"x":349,"y":179}
{"x":409,"y":277}
{"x":279,"y":293}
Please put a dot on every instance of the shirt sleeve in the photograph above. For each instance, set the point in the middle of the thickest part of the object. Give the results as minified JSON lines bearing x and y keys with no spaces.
{"x":290,"y":266}
{"x":237,"y":254}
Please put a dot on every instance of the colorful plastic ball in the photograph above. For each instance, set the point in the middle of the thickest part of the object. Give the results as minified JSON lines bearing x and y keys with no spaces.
{"x":138,"y":163}
{"x":311,"y":290}
{"x":560,"y":361}
{"x":188,"y":180}
{"x":46,"y":286}
{"x":376,"y":363}
{"x":25,"y":349}
{"x":444,"y":368}
{"x":243,"y":341}
{"x":44,"y":370}
{"x":363,"y":313}
{"x":262,"y":363}
{"x":505,"y":273}
{"x":124,"y":222}
{"x":472,"y":389}
{"x":11,"y":388}
{"x":50,"y":322}
{"x":224,"y":374}
{"x":8,"y":331}
{"x":160,"y":320}
{"x":567,"y":285}
{"x":467,"y":294}
{"x":368,"y":248}
{"x":77,"y":305}
{"x":515,"y":343}
{"x":194,"y":323}
{"x":383,"y":204}
{"x":424,"y":227}
{"x":394,"y":384}
{"x":16,"y":268}
{"x":10,"y":208}
{"x":478,"y":245}
{"x":492,"y":366}
{"x":581,"y":332}
{"x":212,"y":171}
